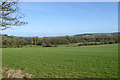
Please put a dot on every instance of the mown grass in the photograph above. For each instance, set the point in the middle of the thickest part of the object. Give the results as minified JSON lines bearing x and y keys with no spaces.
{"x":99,"y":61}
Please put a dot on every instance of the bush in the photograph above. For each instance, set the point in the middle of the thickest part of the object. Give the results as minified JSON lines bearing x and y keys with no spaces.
{"x":111,"y":42}
{"x":80,"y":44}
{"x":90,"y":43}
{"x":48,"y":45}
{"x":54,"y":45}
{"x":106,"y":42}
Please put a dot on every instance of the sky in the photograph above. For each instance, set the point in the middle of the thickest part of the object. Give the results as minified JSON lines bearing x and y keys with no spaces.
{"x":48,"y":19}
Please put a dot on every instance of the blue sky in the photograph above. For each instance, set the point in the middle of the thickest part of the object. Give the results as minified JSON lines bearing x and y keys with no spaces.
{"x":66,"y":18}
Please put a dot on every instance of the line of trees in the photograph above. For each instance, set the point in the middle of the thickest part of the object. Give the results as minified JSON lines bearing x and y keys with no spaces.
{"x":11,"y":41}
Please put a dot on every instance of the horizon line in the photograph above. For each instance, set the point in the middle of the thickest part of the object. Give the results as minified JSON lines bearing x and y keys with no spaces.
{"x":62,"y":35}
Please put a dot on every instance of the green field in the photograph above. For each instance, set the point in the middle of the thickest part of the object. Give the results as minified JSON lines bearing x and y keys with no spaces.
{"x":99,"y":61}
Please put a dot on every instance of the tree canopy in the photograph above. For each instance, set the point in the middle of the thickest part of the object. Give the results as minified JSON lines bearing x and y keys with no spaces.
{"x":10,"y":15}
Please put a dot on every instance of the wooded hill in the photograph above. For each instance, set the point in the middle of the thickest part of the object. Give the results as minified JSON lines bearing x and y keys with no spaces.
{"x":83,"y":39}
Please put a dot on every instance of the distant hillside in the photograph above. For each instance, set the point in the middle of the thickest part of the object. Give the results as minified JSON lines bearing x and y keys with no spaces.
{"x":96,"y":34}
{"x":82,"y":35}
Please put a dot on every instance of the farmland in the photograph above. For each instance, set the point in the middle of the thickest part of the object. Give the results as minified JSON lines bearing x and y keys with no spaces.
{"x":99,"y":61}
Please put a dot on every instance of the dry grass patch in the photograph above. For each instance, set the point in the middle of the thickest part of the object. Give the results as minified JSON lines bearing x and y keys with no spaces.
{"x":11,"y":73}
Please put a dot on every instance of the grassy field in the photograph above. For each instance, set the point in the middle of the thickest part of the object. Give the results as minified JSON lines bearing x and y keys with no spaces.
{"x":99,"y":61}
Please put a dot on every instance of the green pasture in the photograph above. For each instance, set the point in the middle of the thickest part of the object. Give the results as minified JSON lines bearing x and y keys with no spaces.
{"x":100,"y":61}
